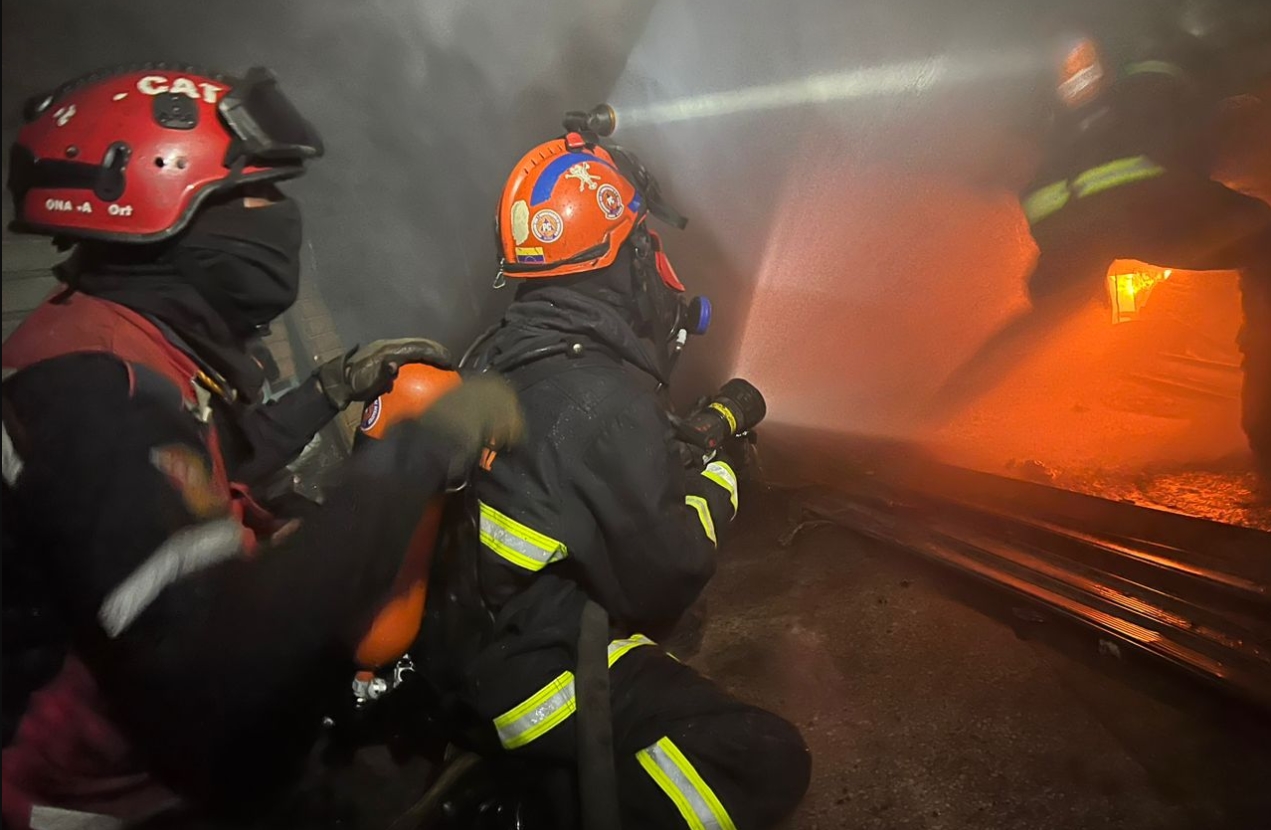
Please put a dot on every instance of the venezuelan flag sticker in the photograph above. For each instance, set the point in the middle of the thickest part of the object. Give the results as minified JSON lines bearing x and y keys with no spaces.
{"x":530,"y":255}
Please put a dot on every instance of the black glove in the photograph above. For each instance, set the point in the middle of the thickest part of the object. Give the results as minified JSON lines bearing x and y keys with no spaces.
{"x":367,"y":372}
{"x":483,"y":412}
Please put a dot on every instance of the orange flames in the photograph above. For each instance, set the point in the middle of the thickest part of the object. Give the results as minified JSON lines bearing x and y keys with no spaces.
{"x":1130,"y":283}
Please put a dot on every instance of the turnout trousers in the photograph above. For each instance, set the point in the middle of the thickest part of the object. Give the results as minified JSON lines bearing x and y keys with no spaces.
{"x":686,"y":753}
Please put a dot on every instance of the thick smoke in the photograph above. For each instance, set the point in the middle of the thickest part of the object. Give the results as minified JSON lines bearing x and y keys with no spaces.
{"x":424,"y":106}
{"x":844,"y":167}
{"x":848,"y":168}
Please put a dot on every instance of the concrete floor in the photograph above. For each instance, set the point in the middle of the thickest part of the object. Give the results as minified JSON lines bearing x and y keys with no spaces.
{"x":929,"y":702}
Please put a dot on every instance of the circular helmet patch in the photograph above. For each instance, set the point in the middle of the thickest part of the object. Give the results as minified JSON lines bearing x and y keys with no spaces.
{"x":370,"y":415}
{"x":610,"y":201}
{"x":547,"y":226}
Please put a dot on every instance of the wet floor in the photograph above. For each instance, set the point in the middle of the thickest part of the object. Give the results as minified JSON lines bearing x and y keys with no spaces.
{"x":930,"y":702}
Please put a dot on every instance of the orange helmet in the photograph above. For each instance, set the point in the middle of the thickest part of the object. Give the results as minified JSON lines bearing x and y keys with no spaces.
{"x":566,"y":209}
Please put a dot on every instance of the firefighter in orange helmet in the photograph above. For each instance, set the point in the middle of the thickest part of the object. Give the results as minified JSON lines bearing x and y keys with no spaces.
{"x":593,"y":539}
{"x":1130,"y":126}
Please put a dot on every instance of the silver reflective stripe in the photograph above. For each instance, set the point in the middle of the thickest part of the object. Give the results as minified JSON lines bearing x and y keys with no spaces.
{"x":692,"y":796}
{"x":55,"y":818}
{"x":540,"y":713}
{"x":703,"y":515}
{"x":1156,"y":68}
{"x":1115,"y":174}
{"x":187,"y":551}
{"x":519,"y":544}
{"x":553,"y":704}
{"x":1045,"y":201}
{"x":620,"y":647}
{"x":12,"y":461}
{"x":723,"y":475}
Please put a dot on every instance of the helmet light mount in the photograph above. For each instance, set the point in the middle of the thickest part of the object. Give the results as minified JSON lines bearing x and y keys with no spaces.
{"x":600,"y":121}
{"x":596,"y":125}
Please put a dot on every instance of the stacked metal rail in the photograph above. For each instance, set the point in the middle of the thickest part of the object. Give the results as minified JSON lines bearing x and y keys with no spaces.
{"x":1191,"y":591}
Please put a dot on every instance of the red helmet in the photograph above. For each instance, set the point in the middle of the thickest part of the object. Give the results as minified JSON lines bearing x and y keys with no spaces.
{"x":566,"y":209}
{"x":128,"y":154}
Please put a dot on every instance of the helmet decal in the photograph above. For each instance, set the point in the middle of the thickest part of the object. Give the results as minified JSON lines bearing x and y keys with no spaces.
{"x":610,"y":201}
{"x":566,"y":209}
{"x":159,"y":84}
{"x":371,"y":415}
{"x":557,"y":168}
{"x":547,"y":226}
{"x":582,"y":173}
{"x":520,"y":221}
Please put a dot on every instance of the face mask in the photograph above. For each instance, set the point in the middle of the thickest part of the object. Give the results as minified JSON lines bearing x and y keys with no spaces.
{"x":669,"y":317}
{"x":245,"y":261}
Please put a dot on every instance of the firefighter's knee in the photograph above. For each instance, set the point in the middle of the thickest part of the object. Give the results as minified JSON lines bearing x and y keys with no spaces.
{"x":782,"y":767}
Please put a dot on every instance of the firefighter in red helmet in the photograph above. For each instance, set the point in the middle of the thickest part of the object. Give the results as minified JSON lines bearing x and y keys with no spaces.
{"x":183,"y":627}
{"x":592,"y":540}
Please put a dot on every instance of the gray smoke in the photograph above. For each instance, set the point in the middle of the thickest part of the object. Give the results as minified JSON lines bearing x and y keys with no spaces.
{"x":424,"y":107}
{"x":845,"y":165}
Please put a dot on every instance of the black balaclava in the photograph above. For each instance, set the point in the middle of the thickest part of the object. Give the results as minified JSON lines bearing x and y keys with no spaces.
{"x":217,"y":285}
{"x":637,"y":301}
{"x":631,"y":286}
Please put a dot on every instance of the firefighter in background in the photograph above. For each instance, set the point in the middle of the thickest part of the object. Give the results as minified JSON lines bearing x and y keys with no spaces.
{"x":1125,"y":175}
{"x":594,"y":528}
{"x":191,"y":640}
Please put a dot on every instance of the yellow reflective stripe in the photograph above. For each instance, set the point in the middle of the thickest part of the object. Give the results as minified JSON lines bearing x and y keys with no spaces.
{"x":693,"y":797}
{"x":703,"y":514}
{"x":723,"y":475}
{"x":620,"y":647}
{"x":554,"y":703}
{"x":1115,"y":174}
{"x":545,"y":709}
{"x":1155,"y":68}
{"x":523,"y":546}
{"x":1044,"y":201}
{"x":728,"y":415}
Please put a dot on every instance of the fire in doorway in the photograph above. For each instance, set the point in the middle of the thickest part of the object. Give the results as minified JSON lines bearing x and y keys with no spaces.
{"x":1130,"y":284}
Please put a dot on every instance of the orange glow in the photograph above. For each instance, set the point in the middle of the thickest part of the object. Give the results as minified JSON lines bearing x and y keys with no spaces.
{"x":1147,"y":412}
{"x":1130,"y":284}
